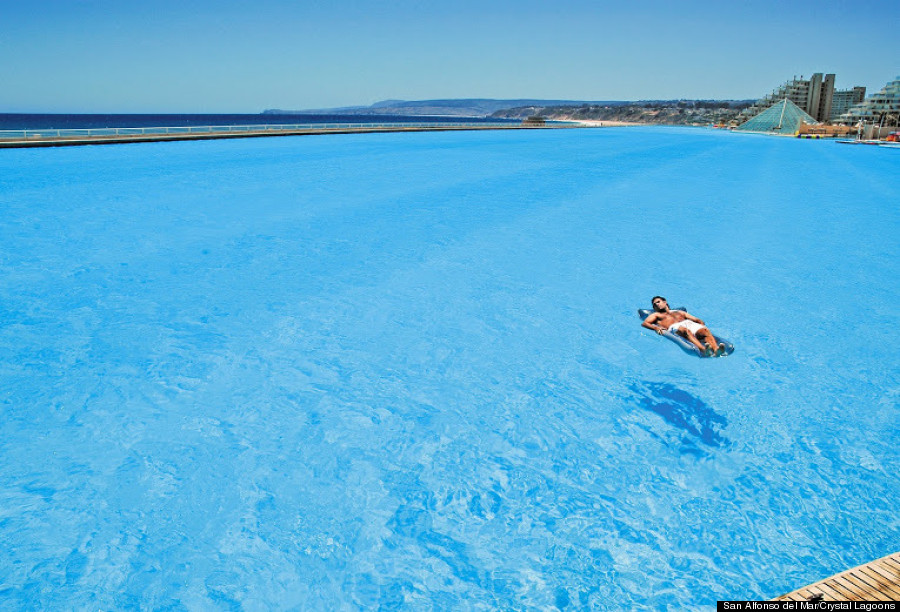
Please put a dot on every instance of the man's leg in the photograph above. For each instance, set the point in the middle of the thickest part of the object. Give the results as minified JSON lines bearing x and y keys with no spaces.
{"x":709,"y":339}
{"x":691,"y":338}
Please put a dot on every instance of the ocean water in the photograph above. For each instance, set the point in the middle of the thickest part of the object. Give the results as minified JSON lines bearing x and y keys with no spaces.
{"x":31,"y":121}
{"x":405,"y":371}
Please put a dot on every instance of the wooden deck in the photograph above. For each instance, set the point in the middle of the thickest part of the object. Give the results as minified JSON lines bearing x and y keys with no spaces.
{"x":875,"y":581}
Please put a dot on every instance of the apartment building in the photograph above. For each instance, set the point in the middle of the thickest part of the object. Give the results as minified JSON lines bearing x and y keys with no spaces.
{"x":816,"y":96}
{"x":844,"y":100}
{"x":882,"y":108}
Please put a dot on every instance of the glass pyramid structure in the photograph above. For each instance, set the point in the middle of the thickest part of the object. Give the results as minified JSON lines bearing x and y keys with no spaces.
{"x":783,"y":117}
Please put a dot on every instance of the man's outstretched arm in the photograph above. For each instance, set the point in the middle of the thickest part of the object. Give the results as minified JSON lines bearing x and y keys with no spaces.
{"x":650,"y":323}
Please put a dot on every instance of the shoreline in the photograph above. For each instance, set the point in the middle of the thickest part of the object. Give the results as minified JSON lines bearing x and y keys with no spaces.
{"x":64,"y":141}
{"x":600,"y":122}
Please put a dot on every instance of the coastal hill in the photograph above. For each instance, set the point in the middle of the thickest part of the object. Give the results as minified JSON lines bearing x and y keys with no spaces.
{"x":468,"y":107}
{"x":670,"y":112}
{"x":660,"y":112}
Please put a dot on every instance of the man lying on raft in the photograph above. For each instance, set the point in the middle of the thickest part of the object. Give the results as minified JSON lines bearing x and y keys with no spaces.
{"x":683,"y":324}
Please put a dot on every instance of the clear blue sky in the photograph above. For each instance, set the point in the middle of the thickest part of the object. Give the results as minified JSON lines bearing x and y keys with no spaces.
{"x":228,"y":56}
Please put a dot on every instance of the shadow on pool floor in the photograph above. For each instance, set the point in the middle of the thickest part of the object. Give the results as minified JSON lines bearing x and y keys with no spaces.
{"x":682,"y":410}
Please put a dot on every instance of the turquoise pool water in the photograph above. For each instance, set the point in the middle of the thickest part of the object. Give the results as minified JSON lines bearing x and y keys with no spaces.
{"x":406,"y":370}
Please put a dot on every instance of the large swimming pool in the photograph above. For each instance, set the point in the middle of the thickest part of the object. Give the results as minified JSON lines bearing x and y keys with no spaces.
{"x":406,"y":370}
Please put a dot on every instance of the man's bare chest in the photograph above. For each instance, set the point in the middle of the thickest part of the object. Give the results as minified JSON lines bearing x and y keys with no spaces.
{"x":673,"y":317}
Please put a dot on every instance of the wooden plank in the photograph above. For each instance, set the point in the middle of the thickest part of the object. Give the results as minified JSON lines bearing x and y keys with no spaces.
{"x":883,"y":585}
{"x":878,"y":581}
{"x":872,"y":585}
{"x":795,"y":596}
{"x":798,"y":595}
{"x":887,"y":585}
{"x":891,"y":564}
{"x":843,"y":592}
{"x":886,"y":574}
{"x":866,"y":590}
{"x":829,"y":591}
{"x":854,"y":593}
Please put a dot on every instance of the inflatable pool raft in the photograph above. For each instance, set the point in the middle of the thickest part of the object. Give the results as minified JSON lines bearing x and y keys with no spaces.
{"x":686,"y":346}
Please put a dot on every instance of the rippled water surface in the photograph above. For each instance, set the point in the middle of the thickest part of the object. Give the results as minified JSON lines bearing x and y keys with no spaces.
{"x":406,"y":370}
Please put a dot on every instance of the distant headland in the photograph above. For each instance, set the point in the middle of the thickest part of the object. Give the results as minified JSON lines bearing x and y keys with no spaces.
{"x":462,"y":107}
{"x":679,"y":112}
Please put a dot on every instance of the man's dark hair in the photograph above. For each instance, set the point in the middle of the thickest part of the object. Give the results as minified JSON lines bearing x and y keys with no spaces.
{"x":656,"y":297}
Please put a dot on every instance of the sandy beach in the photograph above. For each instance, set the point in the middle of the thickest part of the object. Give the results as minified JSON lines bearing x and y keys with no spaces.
{"x":599,"y":123}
